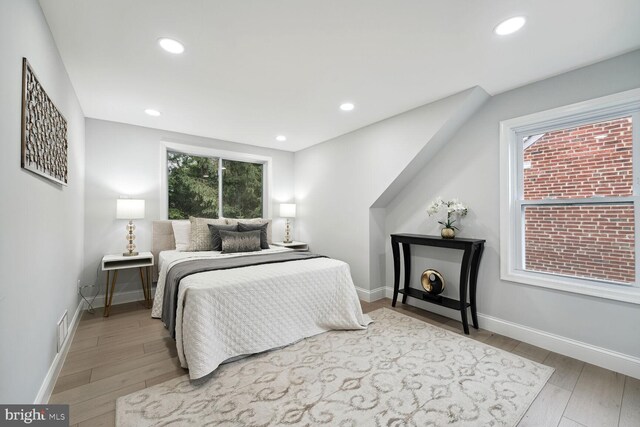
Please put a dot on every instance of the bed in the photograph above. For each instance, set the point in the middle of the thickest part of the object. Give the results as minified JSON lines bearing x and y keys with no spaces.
{"x":220,"y":307}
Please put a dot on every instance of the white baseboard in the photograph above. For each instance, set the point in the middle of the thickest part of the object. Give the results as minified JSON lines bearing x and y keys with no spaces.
{"x":388,"y":292}
{"x":56,"y":366}
{"x":609,"y":359}
{"x":122,"y":298}
{"x":371,"y":295}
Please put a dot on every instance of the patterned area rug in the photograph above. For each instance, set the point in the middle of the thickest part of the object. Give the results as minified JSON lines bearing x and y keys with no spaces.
{"x":400,"y":371}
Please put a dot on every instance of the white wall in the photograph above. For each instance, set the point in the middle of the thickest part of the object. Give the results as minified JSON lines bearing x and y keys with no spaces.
{"x":41,"y":244}
{"x":469,"y":169}
{"x":339,"y":180}
{"x":124,"y":160}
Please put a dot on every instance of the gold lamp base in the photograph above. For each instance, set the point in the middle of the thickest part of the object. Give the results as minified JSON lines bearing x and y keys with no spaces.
{"x":131,"y":247}
{"x":287,"y":232}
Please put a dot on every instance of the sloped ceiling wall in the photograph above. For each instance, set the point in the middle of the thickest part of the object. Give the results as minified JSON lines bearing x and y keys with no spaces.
{"x":338,"y":181}
{"x":468,"y":168}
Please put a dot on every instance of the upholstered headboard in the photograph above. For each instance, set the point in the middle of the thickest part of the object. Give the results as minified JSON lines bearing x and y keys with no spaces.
{"x":163,"y":240}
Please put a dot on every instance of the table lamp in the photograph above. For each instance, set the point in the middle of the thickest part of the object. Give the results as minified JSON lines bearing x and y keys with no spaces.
{"x":287,"y":210}
{"x":130,"y":209}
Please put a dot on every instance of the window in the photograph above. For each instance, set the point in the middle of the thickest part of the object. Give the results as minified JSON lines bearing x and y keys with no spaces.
{"x":193,"y":186}
{"x":241,"y":189}
{"x":213,"y":187}
{"x":570,"y":198}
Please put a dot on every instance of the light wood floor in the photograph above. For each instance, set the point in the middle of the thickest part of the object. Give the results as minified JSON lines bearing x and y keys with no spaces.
{"x":129,"y":351}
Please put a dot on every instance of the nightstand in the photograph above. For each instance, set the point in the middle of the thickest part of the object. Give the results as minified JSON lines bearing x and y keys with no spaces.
{"x":114,"y":263}
{"x":296,"y":246}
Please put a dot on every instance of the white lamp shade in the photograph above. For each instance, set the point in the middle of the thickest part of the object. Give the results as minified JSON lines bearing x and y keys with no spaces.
{"x":130,"y":209}
{"x":287,"y":210}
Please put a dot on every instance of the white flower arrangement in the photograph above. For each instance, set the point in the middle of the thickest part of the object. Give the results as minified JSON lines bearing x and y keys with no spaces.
{"x":454,"y":208}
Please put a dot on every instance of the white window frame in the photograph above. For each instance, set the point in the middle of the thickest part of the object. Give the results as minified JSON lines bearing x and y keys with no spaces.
{"x":196,"y":150}
{"x":511,"y":203}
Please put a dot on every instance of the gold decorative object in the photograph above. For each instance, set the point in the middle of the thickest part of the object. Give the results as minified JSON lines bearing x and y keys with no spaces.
{"x":448,"y":233}
{"x":44,"y":131}
{"x":432,"y":281}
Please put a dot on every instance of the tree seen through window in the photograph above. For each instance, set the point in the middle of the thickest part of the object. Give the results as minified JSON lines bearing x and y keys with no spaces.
{"x":194,"y":187}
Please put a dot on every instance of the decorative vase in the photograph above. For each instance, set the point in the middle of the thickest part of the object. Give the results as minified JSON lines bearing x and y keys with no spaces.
{"x":448,"y":233}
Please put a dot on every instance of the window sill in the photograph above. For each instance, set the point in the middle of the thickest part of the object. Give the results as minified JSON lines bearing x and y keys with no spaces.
{"x":629,"y":294}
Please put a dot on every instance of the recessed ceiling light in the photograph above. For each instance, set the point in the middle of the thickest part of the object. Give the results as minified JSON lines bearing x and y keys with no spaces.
{"x":510,"y":25}
{"x":152,"y":112}
{"x":281,"y":138}
{"x":347,"y":106}
{"x":171,"y":45}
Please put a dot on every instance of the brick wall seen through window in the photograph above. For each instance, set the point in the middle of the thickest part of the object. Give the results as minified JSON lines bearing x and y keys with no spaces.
{"x":584,"y":240}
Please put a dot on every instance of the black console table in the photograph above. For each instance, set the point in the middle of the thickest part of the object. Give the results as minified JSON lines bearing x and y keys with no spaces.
{"x":473,"y":249}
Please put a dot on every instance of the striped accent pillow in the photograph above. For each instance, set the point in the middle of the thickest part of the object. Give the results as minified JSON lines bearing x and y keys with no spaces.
{"x":200,"y":234}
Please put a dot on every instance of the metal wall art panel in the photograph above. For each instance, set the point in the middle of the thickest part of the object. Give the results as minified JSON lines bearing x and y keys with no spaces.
{"x":44,"y":131}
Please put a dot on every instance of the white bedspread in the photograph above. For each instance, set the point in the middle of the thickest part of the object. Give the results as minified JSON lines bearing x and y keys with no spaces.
{"x":228,"y":313}
{"x":166,"y":259}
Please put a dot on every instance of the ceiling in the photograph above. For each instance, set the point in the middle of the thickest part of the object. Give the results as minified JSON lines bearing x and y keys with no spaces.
{"x":255,"y":69}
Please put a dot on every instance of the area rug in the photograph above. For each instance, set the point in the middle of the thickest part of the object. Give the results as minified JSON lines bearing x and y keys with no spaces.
{"x":400,"y":371}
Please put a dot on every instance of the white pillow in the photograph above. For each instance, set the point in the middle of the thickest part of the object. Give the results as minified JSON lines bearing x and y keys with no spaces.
{"x":182,"y":233}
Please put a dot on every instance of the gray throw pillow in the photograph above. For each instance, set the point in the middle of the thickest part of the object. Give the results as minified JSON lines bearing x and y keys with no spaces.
{"x":264,"y":243}
{"x":254,"y":221}
{"x":240,"y":241}
{"x":214,"y":230}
